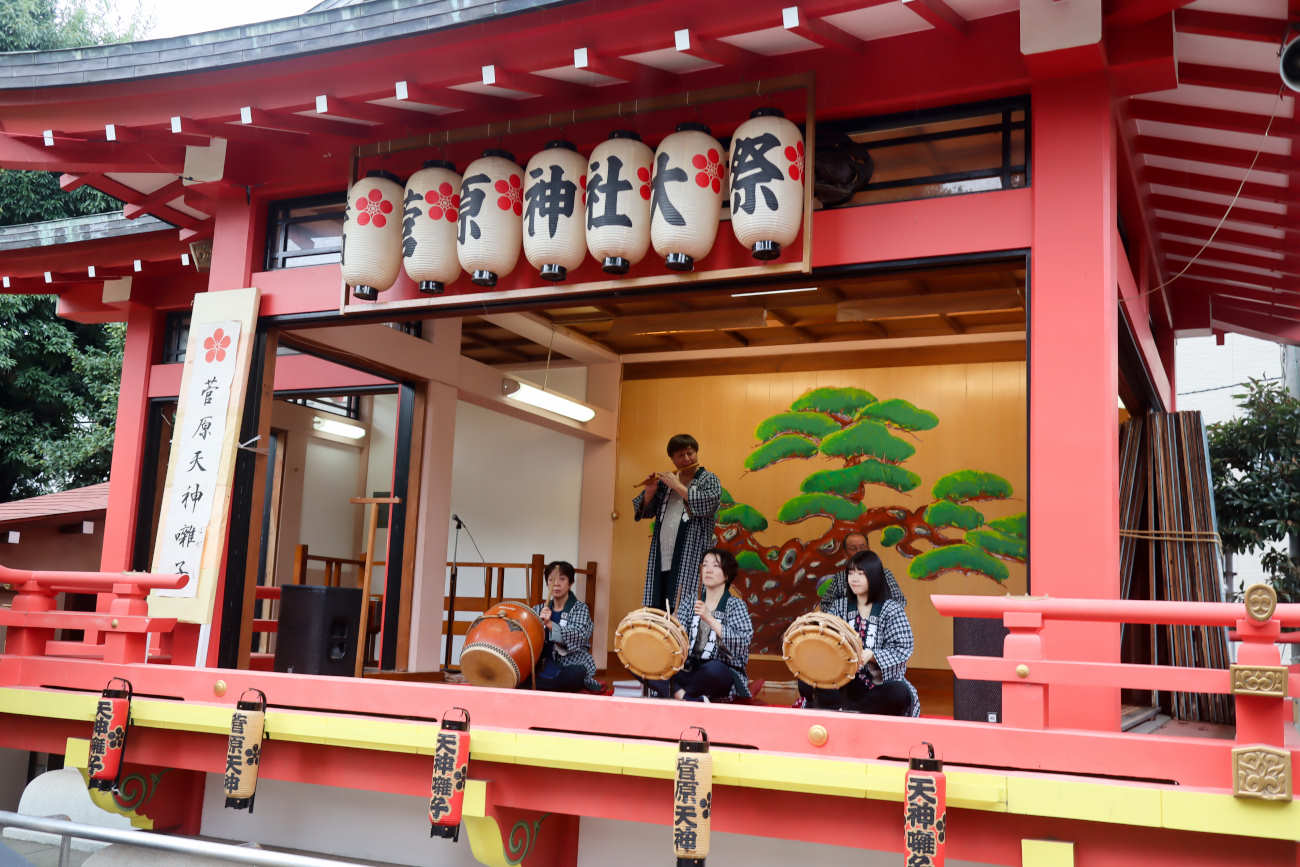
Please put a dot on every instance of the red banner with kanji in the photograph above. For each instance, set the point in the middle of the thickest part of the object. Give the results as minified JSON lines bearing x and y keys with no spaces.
{"x":450,"y":770}
{"x":925,"y":795}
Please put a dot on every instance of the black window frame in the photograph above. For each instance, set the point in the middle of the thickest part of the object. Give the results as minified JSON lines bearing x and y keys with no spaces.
{"x":279,"y":222}
{"x":1005,"y":107}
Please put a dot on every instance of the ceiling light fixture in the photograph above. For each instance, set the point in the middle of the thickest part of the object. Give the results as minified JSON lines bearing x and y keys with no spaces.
{"x":338,"y":428}
{"x":773,"y":292}
{"x":546,"y":399}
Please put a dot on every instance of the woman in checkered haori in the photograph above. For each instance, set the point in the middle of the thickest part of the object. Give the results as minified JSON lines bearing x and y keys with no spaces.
{"x":566,"y":664}
{"x":684,"y":504}
{"x":719,"y":631}
{"x":881,"y":685}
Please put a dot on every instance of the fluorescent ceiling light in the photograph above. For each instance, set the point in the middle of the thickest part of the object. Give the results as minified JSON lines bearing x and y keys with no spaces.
{"x":773,"y":292}
{"x":548,"y":400}
{"x":338,"y":428}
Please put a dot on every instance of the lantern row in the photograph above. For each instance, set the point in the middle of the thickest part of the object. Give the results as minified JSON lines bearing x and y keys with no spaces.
{"x":615,"y":205}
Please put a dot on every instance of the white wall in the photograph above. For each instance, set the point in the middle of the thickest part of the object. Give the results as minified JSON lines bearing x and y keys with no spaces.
{"x":346,"y":823}
{"x":517,"y":487}
{"x":329,"y":521}
{"x":1206,"y":378}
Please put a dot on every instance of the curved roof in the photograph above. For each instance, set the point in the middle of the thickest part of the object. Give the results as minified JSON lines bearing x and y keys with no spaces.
{"x":76,"y":229}
{"x":330,"y":26}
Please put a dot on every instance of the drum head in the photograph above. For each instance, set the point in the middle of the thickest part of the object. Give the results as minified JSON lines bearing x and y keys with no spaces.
{"x":819,"y":652}
{"x":649,"y":648}
{"x":487,"y":665}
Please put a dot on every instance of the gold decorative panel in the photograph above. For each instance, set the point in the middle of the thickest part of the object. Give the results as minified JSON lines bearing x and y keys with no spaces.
{"x":1261,"y":600}
{"x":1259,"y":680}
{"x":1261,"y":772}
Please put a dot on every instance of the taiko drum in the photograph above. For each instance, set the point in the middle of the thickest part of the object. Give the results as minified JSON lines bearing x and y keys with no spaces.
{"x":502,"y":646}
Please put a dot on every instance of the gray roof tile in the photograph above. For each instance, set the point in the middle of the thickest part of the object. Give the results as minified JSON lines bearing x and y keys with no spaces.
{"x":77,"y":229}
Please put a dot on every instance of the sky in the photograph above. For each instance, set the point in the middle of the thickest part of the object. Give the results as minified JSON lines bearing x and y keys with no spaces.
{"x":176,"y":18}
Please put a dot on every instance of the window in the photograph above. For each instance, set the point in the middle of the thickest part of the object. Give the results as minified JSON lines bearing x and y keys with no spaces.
{"x":347,"y":405}
{"x":302,"y":232}
{"x":176,"y":334}
{"x":939,"y":152}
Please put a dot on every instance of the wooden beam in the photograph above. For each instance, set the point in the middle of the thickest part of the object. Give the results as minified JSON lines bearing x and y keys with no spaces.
{"x":187,"y":126}
{"x":160,"y":196}
{"x":700,"y":47}
{"x":439,"y":97}
{"x":1126,"y":13}
{"x":494,"y":75}
{"x":798,"y":22}
{"x":257,"y":117}
{"x":83,"y":157}
{"x":399,"y":119}
{"x":626,"y":70}
{"x":1215,"y":118}
{"x":871,"y":309}
{"x":1248,"y":80}
{"x":938,"y":14}
{"x":1210,"y":184}
{"x":129,"y":196}
{"x":1228,"y":26}
{"x":678,"y":323}
{"x":1013,"y":333}
{"x":547,"y":334}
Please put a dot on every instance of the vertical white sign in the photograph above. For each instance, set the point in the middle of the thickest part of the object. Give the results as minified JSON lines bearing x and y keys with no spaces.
{"x":202,"y":419}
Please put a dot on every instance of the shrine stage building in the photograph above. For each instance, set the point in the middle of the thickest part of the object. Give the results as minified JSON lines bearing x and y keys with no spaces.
{"x":994,"y":219}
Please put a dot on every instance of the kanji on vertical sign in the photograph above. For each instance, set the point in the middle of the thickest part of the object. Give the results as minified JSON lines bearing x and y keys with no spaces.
{"x":692,"y":801}
{"x":108,"y":735}
{"x":244,"y":751}
{"x":925,"y":823}
{"x":450,"y":770}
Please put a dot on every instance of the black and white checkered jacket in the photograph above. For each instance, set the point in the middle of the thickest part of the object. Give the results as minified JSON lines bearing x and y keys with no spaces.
{"x":893,"y":644}
{"x":572,"y":634}
{"x":840,"y":586}
{"x":733,"y":647}
{"x":703,"y":496}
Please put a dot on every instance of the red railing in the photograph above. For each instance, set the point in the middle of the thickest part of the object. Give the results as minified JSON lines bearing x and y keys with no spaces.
{"x":121,"y":620}
{"x":1028,"y":678}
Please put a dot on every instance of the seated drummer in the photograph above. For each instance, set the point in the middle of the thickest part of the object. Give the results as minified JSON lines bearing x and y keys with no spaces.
{"x":566,"y":664}
{"x":719,"y":631}
{"x":839,"y":585}
{"x":880,"y":685}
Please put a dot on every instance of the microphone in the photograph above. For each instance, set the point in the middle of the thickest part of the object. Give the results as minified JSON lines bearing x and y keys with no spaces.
{"x":459,"y":523}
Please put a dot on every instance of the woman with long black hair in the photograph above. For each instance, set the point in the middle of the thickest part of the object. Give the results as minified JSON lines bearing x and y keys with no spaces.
{"x":881,"y":685}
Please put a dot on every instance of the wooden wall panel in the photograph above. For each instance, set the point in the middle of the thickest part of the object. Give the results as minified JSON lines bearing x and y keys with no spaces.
{"x":982,"y":426}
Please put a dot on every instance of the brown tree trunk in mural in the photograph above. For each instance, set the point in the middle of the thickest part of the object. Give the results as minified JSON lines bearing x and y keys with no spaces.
{"x":781,"y":581}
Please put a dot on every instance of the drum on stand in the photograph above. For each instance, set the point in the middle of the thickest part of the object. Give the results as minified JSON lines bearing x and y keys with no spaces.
{"x":502,"y":647}
{"x":651,"y":643}
{"x":822,"y":650}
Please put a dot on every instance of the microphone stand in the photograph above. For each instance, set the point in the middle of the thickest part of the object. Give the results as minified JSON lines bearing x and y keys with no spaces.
{"x":451,"y":601}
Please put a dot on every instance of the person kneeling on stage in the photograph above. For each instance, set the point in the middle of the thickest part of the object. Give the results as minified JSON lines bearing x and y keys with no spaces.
{"x":880,"y":685}
{"x":566,"y":664}
{"x":719,"y":631}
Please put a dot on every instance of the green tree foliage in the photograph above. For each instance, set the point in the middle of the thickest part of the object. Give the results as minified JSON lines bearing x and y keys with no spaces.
{"x":964,"y":558}
{"x":868,"y":438}
{"x":848,"y":481}
{"x":900,"y":413}
{"x":58,"y":380}
{"x":966,"y":485}
{"x":750,"y":562}
{"x":804,"y":506}
{"x":746,"y":516}
{"x":843,"y":402}
{"x":58,"y":398}
{"x":42,"y":25}
{"x":946,"y":513}
{"x":892,"y":536}
{"x":810,"y":424}
{"x":782,"y":448}
{"x":1255,"y":467}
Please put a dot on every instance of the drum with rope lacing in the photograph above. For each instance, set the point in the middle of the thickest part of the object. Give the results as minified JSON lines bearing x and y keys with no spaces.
{"x":502,"y":647}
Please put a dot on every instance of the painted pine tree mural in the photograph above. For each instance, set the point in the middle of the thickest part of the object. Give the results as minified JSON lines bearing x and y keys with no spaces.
{"x":871,"y":440}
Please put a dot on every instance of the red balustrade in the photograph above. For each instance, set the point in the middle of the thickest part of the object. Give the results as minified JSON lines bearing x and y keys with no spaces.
{"x":122,"y":619}
{"x":1028,"y":678}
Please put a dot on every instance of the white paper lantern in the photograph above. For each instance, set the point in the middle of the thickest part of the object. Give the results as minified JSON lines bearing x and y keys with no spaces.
{"x":618,"y":201}
{"x":431,"y":208}
{"x":767,"y":181}
{"x":372,"y":235}
{"x":555,"y":186}
{"x":489,"y":225}
{"x":686,"y":197}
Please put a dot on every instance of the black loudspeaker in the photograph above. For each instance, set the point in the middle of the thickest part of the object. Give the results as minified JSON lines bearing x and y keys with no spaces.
{"x":977,"y":700}
{"x":318,"y":630}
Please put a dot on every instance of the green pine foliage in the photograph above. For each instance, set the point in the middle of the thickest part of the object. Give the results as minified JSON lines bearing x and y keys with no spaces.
{"x":746,"y":516}
{"x":844,"y":402}
{"x":748,"y":561}
{"x":900,"y":413}
{"x":780,"y":449}
{"x":964,"y":558}
{"x":846,"y":481}
{"x":971,"y":485}
{"x":891,"y":536}
{"x":946,"y":513}
{"x":809,"y":424}
{"x":804,"y":506}
{"x":868,"y":438}
{"x":1012,"y":525}
{"x":999,"y":544}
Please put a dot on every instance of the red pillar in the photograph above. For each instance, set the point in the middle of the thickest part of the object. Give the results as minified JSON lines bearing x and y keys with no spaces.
{"x":1073,"y":378}
{"x":142,"y":330}
{"x":235,"y":227}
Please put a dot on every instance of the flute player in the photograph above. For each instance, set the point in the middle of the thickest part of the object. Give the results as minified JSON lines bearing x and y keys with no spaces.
{"x":684,"y":504}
